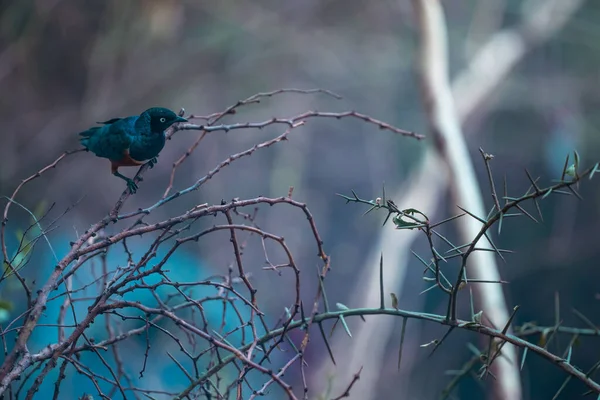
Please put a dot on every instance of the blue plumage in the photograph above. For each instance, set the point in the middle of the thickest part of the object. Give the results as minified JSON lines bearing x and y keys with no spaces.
{"x":130,"y":141}
{"x":111,"y":140}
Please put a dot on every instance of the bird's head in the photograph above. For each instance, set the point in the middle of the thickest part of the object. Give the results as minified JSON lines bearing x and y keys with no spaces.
{"x":161,"y":118}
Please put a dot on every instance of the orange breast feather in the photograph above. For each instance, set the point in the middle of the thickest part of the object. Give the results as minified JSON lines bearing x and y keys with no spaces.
{"x":126,"y":161}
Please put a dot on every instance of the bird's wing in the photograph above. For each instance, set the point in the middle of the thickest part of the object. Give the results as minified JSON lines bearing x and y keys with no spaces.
{"x":110,"y":121}
{"x":110,"y":141}
{"x":89,"y":133}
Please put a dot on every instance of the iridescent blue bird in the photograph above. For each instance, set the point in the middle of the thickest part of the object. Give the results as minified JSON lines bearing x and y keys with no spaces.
{"x":130,"y":141}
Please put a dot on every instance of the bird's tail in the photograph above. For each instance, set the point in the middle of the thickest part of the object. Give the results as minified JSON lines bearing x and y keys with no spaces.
{"x":86,"y":135}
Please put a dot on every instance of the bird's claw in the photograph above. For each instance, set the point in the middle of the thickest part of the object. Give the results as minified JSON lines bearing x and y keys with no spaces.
{"x":132,"y":186}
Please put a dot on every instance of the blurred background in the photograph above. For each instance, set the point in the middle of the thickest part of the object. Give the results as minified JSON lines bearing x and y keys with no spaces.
{"x":66,"y":64}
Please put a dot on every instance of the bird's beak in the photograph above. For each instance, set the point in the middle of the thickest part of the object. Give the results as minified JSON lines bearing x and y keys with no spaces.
{"x":180,"y":119}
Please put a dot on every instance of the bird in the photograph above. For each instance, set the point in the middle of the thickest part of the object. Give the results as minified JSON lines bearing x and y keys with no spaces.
{"x":130,"y":141}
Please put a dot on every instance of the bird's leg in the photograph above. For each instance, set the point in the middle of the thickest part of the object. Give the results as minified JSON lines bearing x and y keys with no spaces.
{"x":131,"y":185}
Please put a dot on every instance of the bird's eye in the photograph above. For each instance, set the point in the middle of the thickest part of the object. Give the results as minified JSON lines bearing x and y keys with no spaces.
{"x":163,"y":119}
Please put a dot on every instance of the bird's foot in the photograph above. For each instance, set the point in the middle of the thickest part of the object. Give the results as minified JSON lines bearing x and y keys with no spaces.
{"x":132,"y":186}
{"x":152,"y":162}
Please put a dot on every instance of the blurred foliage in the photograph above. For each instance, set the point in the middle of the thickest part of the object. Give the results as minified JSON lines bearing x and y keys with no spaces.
{"x":65,"y":64}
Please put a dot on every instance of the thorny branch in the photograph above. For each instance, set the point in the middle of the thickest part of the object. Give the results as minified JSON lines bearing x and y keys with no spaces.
{"x":206,"y":345}
{"x":414,"y":219}
{"x":212,"y":352}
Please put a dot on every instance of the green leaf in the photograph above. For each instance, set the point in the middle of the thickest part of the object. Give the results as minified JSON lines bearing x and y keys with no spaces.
{"x":402,"y":224}
{"x":394,"y":301}
{"x":343,"y":321}
{"x":6,"y":305}
{"x":413,"y":211}
{"x":39,"y":210}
